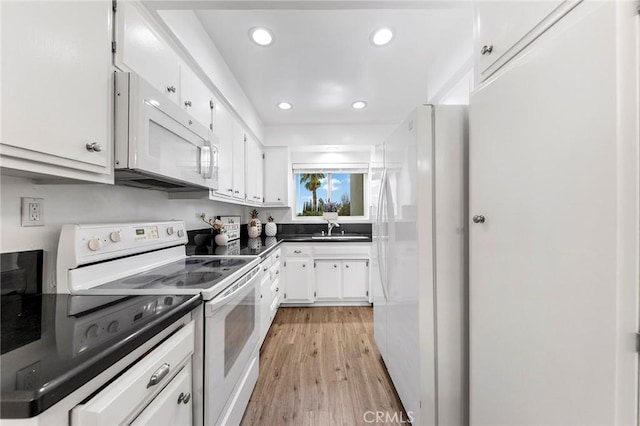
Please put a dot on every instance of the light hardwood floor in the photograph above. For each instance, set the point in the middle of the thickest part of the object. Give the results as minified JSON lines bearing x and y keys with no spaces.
{"x":320,"y":366}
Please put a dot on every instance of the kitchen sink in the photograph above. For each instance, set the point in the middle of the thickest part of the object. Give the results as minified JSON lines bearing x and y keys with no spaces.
{"x":340,"y":237}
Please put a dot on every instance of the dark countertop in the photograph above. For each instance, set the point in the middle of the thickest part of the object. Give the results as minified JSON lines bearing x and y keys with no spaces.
{"x":46,"y":351}
{"x":263,"y":246}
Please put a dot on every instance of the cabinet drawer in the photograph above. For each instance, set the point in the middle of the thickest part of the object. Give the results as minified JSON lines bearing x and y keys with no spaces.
{"x":275,"y":288}
{"x":266,"y":265}
{"x":342,"y":250}
{"x":120,"y":401}
{"x":275,"y":271}
{"x":275,"y":256}
{"x":296,"y":250}
{"x":274,"y":308}
{"x":172,"y":406}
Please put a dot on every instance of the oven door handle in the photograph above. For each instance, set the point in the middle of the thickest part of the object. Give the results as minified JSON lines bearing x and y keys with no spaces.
{"x":212,"y":306}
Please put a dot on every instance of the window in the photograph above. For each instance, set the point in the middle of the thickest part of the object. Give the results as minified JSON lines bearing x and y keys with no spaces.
{"x":330,"y":189}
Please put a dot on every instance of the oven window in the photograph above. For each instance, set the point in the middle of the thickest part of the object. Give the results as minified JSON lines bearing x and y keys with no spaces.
{"x":238,"y":327}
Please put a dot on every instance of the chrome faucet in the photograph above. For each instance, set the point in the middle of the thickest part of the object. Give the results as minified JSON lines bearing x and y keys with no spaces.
{"x":332,"y":225}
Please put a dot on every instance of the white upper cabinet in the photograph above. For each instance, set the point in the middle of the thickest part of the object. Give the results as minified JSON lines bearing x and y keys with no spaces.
{"x":224,"y":130}
{"x":239,"y":142}
{"x":254,"y":170}
{"x":57,"y":89}
{"x":139,"y":48}
{"x":195,"y":97}
{"x":276,"y":176}
{"x":504,"y":28}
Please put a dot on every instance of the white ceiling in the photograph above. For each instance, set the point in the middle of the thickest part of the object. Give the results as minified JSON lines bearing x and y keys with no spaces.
{"x":322,"y":60}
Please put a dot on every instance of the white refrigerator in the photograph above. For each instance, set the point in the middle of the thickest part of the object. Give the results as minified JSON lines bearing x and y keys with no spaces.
{"x":419,"y":190}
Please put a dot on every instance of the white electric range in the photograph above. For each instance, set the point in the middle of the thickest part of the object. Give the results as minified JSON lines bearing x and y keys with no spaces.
{"x":150,"y":259}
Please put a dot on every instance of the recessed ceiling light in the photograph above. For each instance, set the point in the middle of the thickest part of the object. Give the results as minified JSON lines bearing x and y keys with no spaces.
{"x":358,"y":104}
{"x":285,"y":105}
{"x":381,"y":36}
{"x":261,"y":36}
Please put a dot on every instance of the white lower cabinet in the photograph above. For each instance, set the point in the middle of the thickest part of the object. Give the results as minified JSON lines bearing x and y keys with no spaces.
{"x":328,"y":279}
{"x":269,"y":292}
{"x":173,"y":406}
{"x":342,"y":279}
{"x":145,"y":393}
{"x":326,"y":273}
{"x":265,"y":304}
{"x":298,"y":273}
{"x":355,"y":279}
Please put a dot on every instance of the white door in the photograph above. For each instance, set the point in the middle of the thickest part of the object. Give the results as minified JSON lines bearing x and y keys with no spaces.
{"x":195,"y":96}
{"x":142,"y":50}
{"x":328,"y":279}
{"x":224,"y":131}
{"x":298,"y":280}
{"x":239,"y":149}
{"x":543,"y":262}
{"x":56,"y":83}
{"x":355,"y":279}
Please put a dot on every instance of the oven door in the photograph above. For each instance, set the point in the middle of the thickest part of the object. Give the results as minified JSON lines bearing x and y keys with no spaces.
{"x":231,"y":339}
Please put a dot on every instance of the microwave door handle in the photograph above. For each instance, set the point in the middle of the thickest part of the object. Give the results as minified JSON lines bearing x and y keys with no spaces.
{"x":206,"y":160}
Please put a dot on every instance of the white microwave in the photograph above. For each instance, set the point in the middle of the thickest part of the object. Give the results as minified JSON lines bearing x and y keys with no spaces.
{"x":157,"y":144}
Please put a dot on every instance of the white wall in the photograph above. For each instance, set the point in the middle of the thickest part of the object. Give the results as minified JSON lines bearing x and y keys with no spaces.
{"x":327,"y":134}
{"x":89,"y":203}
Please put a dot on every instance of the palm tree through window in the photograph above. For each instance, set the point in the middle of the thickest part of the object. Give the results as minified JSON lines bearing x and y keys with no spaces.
{"x":344,"y":190}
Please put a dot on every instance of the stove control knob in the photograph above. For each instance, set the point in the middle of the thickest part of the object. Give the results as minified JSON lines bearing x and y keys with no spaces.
{"x":95,"y":244}
{"x":115,"y":236}
{"x":180,"y":233}
{"x":114,"y":327}
{"x":168,"y":301}
{"x":92,"y":331}
{"x":170,"y":230}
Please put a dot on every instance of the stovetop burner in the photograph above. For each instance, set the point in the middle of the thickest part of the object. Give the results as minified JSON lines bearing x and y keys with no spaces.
{"x":222,"y":263}
{"x":188,"y":273}
{"x":192,"y":279}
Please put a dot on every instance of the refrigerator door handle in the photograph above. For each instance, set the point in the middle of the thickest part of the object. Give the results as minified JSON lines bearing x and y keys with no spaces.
{"x":379,"y":240}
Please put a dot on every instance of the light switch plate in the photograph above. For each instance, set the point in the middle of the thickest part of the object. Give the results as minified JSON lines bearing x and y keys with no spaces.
{"x":32,"y":211}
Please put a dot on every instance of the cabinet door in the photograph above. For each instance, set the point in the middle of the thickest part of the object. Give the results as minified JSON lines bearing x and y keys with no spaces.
{"x":239,"y":142}
{"x":254,"y":170}
{"x":298,"y":280}
{"x":195,"y":97}
{"x":276,"y":176}
{"x":224,"y":131}
{"x":543,"y":259}
{"x":502,"y":24}
{"x":57,"y":86}
{"x":355,"y":279}
{"x":173,"y":406}
{"x":142,"y":50}
{"x":259,"y":164}
{"x":265,"y":304}
{"x":328,"y":279}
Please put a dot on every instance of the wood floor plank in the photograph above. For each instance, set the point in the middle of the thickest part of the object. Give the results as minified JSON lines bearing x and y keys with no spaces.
{"x":321,"y":366}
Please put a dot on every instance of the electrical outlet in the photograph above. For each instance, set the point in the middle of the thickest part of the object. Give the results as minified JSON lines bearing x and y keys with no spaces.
{"x":32,"y":211}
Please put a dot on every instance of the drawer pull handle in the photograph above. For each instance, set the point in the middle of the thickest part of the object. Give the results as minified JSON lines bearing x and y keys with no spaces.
{"x":159,"y":374}
{"x":184,"y":398}
{"x":297,"y":251}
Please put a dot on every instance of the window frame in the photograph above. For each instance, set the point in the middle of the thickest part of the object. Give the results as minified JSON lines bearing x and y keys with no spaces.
{"x":331,"y":169}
